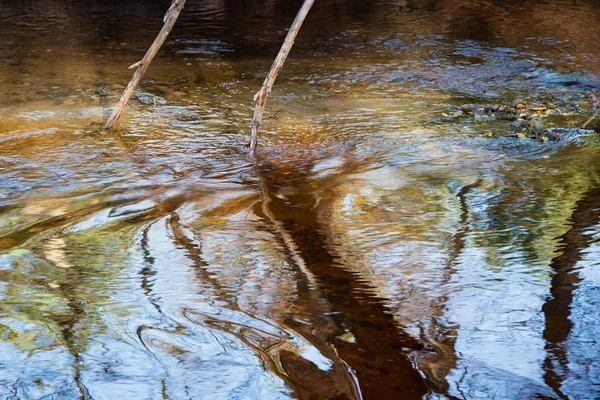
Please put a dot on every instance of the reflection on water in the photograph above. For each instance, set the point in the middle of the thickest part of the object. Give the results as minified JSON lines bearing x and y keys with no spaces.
{"x":371,"y":250}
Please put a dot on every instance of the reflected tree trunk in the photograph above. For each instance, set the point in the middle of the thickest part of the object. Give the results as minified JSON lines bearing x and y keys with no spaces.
{"x":557,"y":309}
{"x":439,"y":358}
{"x":68,"y":334}
{"x":379,"y":353}
{"x":148,"y":271}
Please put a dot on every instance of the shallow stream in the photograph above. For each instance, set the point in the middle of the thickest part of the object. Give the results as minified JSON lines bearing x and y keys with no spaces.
{"x":372,"y":250}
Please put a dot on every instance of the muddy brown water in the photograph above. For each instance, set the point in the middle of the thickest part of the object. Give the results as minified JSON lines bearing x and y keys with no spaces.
{"x":372,"y":250}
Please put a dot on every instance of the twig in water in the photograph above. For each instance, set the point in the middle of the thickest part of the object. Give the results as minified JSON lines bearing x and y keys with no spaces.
{"x":261,"y":97}
{"x":590,"y":120}
{"x":595,"y":106}
{"x":169,"y":21}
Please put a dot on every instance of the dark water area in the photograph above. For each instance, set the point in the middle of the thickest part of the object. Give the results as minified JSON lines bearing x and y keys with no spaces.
{"x":373,"y":249}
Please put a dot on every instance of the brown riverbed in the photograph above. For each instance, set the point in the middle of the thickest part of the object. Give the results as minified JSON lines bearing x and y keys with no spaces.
{"x":374,"y":248}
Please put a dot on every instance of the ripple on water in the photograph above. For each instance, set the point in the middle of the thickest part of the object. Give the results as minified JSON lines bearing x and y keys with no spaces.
{"x":370,"y":247}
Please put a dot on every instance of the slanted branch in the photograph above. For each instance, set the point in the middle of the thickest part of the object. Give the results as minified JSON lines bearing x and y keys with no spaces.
{"x":142,"y":65}
{"x":593,"y":100}
{"x":261,"y":97}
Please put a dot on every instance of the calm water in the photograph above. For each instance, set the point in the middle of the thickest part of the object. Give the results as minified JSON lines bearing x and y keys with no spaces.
{"x":373,"y":250}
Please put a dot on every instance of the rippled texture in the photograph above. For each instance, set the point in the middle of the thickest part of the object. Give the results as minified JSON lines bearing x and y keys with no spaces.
{"x":372,"y":249}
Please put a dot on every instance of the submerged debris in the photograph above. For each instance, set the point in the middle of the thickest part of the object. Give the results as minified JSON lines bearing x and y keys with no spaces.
{"x":149,"y":98}
{"x":593,"y":100}
{"x":535,"y":120}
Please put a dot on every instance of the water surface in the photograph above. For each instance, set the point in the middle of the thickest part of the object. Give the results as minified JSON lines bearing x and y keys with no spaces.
{"x":372,"y":249}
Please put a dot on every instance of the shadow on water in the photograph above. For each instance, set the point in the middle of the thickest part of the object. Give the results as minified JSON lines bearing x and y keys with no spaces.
{"x":566,"y":279}
{"x":380,"y":352}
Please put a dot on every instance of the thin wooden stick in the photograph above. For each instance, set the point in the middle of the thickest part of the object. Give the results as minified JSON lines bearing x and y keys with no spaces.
{"x":595,"y":106}
{"x":590,"y":120}
{"x":169,"y":21}
{"x":261,"y":97}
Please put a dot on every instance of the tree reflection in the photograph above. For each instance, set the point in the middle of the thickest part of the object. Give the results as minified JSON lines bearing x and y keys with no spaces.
{"x":379,"y":351}
{"x":566,"y":279}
